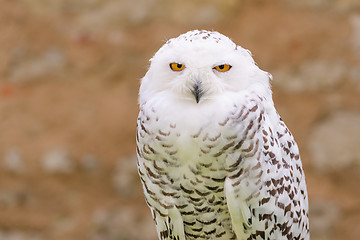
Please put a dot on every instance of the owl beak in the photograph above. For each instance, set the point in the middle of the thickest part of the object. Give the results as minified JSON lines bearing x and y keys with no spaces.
{"x":197,"y":91}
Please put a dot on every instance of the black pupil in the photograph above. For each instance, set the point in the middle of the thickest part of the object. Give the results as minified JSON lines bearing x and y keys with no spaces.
{"x":221,"y":66}
{"x":179,"y":65}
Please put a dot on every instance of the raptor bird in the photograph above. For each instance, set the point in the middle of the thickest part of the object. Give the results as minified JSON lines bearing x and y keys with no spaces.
{"x":215,"y":159}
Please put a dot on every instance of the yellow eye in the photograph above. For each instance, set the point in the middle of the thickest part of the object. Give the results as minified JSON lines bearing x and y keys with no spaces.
{"x":177,"y":66}
{"x":223,"y":67}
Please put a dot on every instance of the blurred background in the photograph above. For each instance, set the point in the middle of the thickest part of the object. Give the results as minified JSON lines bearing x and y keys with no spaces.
{"x":69,"y":77}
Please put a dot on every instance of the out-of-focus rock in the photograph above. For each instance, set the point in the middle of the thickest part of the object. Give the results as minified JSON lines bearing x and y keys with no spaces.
{"x":27,"y":68}
{"x":318,"y":75}
{"x":351,"y":5}
{"x":196,"y":12}
{"x":119,"y":224}
{"x":355,"y":33}
{"x":104,"y":17}
{"x":354,"y":75}
{"x":145,"y":223}
{"x":114,"y":13}
{"x":10,"y":198}
{"x":58,"y":161}
{"x":125,"y":178}
{"x":337,"y":5}
{"x":13,"y":161}
{"x":64,"y":224}
{"x":96,"y":14}
{"x":90,"y":163}
{"x":323,"y":216}
{"x":19,"y":235}
{"x":317,"y":4}
{"x":334,"y":142}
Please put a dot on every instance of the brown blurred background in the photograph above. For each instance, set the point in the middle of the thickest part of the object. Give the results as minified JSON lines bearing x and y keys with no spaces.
{"x":69,"y":76}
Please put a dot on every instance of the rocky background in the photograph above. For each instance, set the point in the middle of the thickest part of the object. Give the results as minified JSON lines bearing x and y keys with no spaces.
{"x":69,"y":76}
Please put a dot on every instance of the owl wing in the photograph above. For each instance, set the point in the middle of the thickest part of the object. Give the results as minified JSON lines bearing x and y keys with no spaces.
{"x":170,"y":227}
{"x":238,"y":209}
{"x":265,"y":191}
{"x":244,"y":183}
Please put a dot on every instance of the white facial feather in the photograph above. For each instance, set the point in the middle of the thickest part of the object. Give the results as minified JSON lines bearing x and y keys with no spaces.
{"x":200,"y":52}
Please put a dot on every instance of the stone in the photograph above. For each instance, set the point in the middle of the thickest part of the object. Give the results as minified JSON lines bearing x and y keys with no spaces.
{"x":125,"y":178}
{"x":90,"y":163}
{"x":12,"y":198}
{"x":108,"y":16}
{"x":354,"y":75}
{"x":354,"y":21}
{"x":334,"y":142}
{"x":25,"y":67}
{"x":336,"y":5}
{"x":19,"y":235}
{"x":119,"y":224}
{"x":316,"y":75}
{"x":13,"y":161}
{"x":323,"y":217}
{"x":58,"y":161}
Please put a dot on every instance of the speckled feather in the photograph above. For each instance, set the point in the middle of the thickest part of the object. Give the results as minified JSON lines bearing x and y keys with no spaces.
{"x":226,"y":167}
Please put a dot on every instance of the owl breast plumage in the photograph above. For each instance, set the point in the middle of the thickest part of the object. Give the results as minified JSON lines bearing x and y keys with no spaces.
{"x":215,"y":159}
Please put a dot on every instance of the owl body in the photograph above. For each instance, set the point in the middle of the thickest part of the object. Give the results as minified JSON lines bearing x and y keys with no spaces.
{"x":215,"y":159}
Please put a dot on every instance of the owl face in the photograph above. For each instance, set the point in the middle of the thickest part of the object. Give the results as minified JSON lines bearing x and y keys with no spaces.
{"x":200,"y":66}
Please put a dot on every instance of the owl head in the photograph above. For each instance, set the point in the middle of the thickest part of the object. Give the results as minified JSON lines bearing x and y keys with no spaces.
{"x":201,"y":66}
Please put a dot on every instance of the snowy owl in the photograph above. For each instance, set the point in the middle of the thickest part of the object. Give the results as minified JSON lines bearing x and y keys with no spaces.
{"x":215,"y":159}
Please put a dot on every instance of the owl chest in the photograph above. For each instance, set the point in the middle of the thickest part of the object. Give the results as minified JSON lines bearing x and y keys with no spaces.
{"x":193,"y":182}
{"x":190,"y":167}
{"x":194,"y":152}
{"x":187,"y":151}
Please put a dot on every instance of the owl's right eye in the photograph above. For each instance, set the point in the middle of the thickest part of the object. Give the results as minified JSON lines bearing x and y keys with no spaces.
{"x":177,"y":66}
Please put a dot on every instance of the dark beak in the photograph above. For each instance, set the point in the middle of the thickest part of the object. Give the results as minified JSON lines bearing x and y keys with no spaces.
{"x":197,"y":91}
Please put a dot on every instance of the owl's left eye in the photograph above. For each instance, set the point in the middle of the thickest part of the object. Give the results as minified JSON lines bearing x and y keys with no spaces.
{"x":223,"y":67}
{"x":177,"y":66}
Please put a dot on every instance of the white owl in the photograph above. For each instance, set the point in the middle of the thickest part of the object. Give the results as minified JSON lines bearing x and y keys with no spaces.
{"x":215,"y":159}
